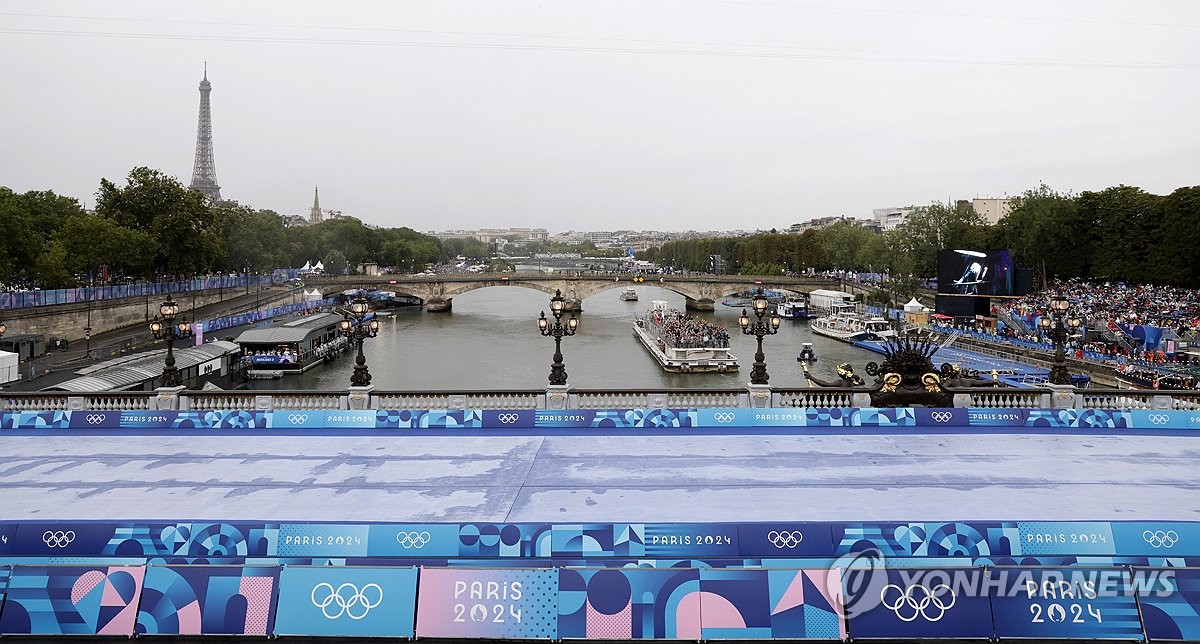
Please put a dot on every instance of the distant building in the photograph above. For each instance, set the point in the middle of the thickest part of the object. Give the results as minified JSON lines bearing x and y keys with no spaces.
{"x":889,"y":219}
{"x":314,"y":215}
{"x":992,"y":210}
{"x":814,"y":224}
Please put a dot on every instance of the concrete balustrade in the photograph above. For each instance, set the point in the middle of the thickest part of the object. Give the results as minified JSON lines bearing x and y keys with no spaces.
{"x":568,"y":398}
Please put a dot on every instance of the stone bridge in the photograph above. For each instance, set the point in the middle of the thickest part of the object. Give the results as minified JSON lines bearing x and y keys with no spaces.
{"x":700,"y":292}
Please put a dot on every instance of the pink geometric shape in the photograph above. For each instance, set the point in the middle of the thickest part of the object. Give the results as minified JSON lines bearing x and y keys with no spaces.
{"x":718,"y":612}
{"x":687,"y":618}
{"x":618,"y":626}
{"x":257,"y":591}
{"x":189,"y":618}
{"x":123,"y":622}
{"x":829,"y":584}
{"x":793,"y":596}
{"x":86,"y":583}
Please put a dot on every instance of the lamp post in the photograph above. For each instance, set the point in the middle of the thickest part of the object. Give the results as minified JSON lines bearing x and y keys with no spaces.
{"x":558,"y":373}
{"x":1056,"y":325}
{"x":357,"y":327}
{"x":759,"y":329}
{"x":169,"y":330}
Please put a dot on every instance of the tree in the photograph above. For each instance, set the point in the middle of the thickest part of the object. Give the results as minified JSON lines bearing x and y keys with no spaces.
{"x":1047,"y":233}
{"x":187,"y":232}
{"x":335,"y":262}
{"x":937,"y":226}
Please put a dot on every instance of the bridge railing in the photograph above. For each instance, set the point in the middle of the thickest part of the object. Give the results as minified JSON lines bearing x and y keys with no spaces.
{"x":368,"y":398}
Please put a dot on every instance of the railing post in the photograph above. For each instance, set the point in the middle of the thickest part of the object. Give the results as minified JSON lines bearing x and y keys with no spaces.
{"x":359,"y":397}
{"x":1061,"y":396}
{"x":76,"y":403}
{"x":167,"y":398}
{"x":557,"y":397}
{"x":457,"y":401}
{"x":860,"y":399}
{"x":760,"y":395}
{"x":963,"y":401}
{"x":264,"y":402}
{"x":657,"y":401}
{"x":1160,"y":402}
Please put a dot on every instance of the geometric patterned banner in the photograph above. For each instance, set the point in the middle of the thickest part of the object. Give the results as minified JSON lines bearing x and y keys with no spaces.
{"x":72,"y":600}
{"x":629,"y":603}
{"x":1065,"y":603}
{"x":1170,"y":602}
{"x":771,"y":604}
{"x":208,"y":600}
{"x":1101,"y":421}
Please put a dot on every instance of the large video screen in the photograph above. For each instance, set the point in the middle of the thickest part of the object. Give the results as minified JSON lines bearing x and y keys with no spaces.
{"x":977,"y":272}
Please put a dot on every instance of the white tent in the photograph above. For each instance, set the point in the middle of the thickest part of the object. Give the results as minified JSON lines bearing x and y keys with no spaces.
{"x":306,"y":267}
{"x":9,"y":369}
{"x":913,"y":306}
{"x":319,"y":267}
{"x":312,"y":296}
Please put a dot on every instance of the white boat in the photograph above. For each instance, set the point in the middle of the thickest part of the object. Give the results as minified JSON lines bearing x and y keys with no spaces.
{"x":794,"y":308}
{"x":706,"y":353}
{"x":629,"y":295}
{"x":852,"y":327}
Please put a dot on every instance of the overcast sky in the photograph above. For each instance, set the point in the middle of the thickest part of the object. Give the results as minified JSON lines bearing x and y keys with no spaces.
{"x":605,"y":114}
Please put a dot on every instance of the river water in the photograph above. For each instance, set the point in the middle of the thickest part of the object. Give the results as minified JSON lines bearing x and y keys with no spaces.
{"x":490,"y":340}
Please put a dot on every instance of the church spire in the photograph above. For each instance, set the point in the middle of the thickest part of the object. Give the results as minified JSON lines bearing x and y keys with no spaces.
{"x":314,"y":217}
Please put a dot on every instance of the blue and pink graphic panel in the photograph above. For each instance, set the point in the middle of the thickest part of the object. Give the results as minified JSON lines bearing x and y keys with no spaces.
{"x":344,"y":601}
{"x":72,"y":600}
{"x":1170,"y":602}
{"x":208,"y":600}
{"x":771,"y":604}
{"x":491,"y":604}
{"x":629,"y":603}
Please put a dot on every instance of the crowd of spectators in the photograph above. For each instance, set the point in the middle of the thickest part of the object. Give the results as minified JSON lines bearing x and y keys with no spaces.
{"x":683,"y":331}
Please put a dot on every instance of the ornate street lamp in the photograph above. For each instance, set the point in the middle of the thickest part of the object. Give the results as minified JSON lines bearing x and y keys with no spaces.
{"x":558,"y":373}
{"x":3,"y":328}
{"x":169,"y":330}
{"x":1056,"y":324}
{"x":758,"y":328}
{"x":357,"y":327}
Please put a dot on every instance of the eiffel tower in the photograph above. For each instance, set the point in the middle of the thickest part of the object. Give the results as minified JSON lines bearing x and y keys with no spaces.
{"x":204,"y":172}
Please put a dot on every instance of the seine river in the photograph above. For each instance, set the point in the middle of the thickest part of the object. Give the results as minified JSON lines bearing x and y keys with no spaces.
{"x":490,"y":340}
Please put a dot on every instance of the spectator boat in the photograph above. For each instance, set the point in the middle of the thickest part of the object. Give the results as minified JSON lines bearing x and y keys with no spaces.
{"x":684,"y":344}
{"x":629,"y":295}
{"x":853,"y":327}
{"x":794,"y":308}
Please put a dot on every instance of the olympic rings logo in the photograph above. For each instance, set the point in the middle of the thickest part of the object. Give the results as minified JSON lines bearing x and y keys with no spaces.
{"x":1160,"y":539}
{"x":723,"y":417}
{"x":507,"y":419}
{"x":930,"y":598}
{"x":94,"y":419}
{"x":346,"y":600}
{"x":1158,"y":419}
{"x":412,"y":539}
{"x":297,"y":419}
{"x":785,"y":539}
{"x":941,"y":416}
{"x":58,"y":538}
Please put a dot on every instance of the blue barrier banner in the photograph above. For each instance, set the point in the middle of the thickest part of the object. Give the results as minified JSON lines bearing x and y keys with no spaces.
{"x":487,"y":604}
{"x":429,"y":419}
{"x":1064,"y":603}
{"x":771,"y":604}
{"x":592,"y":540}
{"x":145,"y":539}
{"x":1170,"y":602}
{"x":973,"y":539}
{"x":910,"y":604}
{"x":208,"y":600}
{"x":1156,"y":539}
{"x":72,"y":600}
{"x":629,"y":603}
{"x":322,"y":540}
{"x":1065,"y":538}
{"x":785,"y":540}
{"x":692,"y":540}
{"x":356,"y":602}
{"x":424,"y":540}
{"x":8,"y":536}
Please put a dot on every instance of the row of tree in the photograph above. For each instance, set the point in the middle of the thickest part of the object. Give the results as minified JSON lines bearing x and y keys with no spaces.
{"x":154,"y":227}
{"x":1120,"y":233}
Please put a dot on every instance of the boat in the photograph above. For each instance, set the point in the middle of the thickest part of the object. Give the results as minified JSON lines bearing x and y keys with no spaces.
{"x":705,"y":348}
{"x":629,"y":295}
{"x":853,"y":327}
{"x":794,"y":308}
{"x":806,"y":353}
